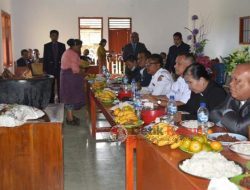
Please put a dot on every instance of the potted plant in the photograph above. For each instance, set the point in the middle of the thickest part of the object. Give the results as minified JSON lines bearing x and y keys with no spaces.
{"x":235,"y":58}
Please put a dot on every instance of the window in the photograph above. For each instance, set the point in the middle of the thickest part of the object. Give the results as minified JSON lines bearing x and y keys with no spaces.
{"x":90,"y":32}
{"x":116,"y":23}
{"x":245,"y":30}
{"x":6,"y":39}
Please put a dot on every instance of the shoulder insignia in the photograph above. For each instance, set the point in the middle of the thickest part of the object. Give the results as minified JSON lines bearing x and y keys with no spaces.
{"x":160,"y":78}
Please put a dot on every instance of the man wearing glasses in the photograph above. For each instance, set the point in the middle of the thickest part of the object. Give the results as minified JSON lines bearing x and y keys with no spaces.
{"x":161,"y":79}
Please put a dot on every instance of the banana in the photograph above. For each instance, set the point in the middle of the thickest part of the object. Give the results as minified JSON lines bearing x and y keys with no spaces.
{"x":176,"y":145}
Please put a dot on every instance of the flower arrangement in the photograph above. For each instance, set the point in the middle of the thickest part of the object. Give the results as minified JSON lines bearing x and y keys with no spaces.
{"x":235,"y":58}
{"x":205,"y":61}
{"x":197,"y":37}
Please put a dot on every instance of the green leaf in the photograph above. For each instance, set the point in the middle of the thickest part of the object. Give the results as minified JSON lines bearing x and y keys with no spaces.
{"x":247,"y":165}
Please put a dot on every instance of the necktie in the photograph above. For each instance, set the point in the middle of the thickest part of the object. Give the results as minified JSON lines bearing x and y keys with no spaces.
{"x":134,"y":47}
{"x":55,"y":51}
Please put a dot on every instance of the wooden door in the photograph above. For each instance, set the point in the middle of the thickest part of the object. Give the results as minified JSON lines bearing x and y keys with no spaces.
{"x":7,"y":42}
{"x":118,"y":38}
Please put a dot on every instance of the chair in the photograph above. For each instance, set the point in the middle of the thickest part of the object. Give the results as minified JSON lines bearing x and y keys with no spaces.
{"x":219,"y":70}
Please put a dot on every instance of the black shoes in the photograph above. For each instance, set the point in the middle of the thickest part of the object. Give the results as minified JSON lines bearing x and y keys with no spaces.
{"x":74,"y":122}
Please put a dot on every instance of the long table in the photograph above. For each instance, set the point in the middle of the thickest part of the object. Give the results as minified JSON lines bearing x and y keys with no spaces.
{"x":130,"y":143}
{"x":157,"y":168}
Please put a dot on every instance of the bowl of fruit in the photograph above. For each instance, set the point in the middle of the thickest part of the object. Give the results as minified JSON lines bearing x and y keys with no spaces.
{"x":199,"y":143}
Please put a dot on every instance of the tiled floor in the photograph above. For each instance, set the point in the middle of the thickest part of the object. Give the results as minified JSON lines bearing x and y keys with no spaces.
{"x":90,"y":164}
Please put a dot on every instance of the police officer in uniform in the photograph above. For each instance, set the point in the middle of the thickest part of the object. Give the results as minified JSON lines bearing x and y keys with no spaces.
{"x":161,"y":79}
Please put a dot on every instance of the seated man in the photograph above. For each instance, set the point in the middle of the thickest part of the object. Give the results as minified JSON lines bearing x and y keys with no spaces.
{"x":234,"y":113}
{"x":37,"y":58}
{"x":179,"y":88}
{"x":132,"y":71}
{"x":86,"y":57}
{"x":164,"y":58}
{"x":161,"y":79}
{"x":145,"y":76}
{"x":24,"y":60}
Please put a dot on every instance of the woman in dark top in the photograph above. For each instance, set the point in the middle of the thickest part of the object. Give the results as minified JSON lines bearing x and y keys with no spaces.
{"x":203,"y":90}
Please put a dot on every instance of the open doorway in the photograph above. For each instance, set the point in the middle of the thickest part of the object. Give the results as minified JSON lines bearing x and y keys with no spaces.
{"x":6,"y":39}
{"x":90,"y":32}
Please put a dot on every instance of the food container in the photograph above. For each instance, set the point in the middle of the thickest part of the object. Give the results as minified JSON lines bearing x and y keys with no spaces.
{"x":149,"y":115}
{"x":242,"y":153}
{"x":124,"y":95}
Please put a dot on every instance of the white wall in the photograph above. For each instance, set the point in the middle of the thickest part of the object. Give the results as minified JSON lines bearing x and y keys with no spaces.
{"x":222,"y":19}
{"x":5,"y":5}
{"x":154,"y":20}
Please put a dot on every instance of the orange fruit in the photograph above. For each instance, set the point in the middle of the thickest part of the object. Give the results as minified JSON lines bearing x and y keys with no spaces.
{"x":195,"y":146}
{"x":215,"y":145}
{"x":185,"y":143}
{"x":209,"y":131}
{"x":201,"y":138}
{"x":206,"y":147}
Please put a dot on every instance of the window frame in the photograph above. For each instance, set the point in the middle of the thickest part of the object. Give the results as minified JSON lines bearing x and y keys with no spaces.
{"x":79,"y":26}
{"x":241,"y":31}
{"x":8,"y":61}
{"x":120,"y":18}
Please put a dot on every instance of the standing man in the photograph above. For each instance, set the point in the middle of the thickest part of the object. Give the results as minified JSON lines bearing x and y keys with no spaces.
{"x":52,"y":55}
{"x":134,"y":47}
{"x":178,"y":47}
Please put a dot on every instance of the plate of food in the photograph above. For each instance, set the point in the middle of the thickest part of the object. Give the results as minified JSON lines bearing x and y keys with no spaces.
{"x":136,"y":124}
{"x":242,"y":181}
{"x":241,"y":148}
{"x":226,"y":138}
{"x":208,"y":165}
{"x":198,"y":143}
{"x":193,"y":124}
{"x":207,"y":149}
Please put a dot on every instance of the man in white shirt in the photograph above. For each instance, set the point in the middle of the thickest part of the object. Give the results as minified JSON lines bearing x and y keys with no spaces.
{"x":179,"y":88}
{"x":162,"y":80}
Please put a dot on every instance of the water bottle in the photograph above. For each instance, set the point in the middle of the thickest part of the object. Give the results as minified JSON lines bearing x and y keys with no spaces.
{"x":133,"y":88}
{"x":138,"y":104}
{"x":125,"y":80}
{"x":171,"y":109}
{"x":104,"y":70}
{"x":202,"y":116}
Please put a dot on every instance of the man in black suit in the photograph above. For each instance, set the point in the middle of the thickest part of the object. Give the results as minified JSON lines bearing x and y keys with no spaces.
{"x":178,"y":47}
{"x":52,"y":54}
{"x":132,"y":71}
{"x":142,"y":61}
{"x":234,"y":113}
{"x":24,"y":60}
{"x":134,"y":47}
